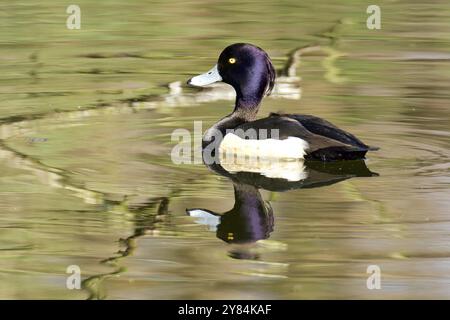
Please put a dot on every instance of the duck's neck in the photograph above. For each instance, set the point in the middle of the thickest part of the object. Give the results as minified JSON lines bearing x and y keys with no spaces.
{"x":246,"y":106}
{"x":245,"y":110}
{"x":248,"y":98}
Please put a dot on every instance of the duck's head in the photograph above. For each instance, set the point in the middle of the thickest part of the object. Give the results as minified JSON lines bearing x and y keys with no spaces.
{"x":245,"y":67}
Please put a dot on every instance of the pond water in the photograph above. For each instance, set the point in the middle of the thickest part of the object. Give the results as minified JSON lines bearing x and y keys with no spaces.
{"x":86,"y":176}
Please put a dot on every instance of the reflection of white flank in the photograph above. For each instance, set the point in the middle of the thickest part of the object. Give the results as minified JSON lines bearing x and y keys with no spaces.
{"x":293,"y":170}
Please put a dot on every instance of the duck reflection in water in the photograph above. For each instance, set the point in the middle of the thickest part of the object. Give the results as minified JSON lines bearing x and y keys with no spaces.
{"x":251,"y":218}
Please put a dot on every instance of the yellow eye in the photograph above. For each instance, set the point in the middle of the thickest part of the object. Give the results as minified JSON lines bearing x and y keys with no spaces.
{"x":232,"y":60}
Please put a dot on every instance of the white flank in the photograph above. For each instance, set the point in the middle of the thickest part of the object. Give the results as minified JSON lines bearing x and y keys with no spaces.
{"x":271,"y":158}
{"x":290,"y":148}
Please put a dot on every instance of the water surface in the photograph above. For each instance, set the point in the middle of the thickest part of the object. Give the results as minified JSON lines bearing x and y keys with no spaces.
{"x":87,"y":179}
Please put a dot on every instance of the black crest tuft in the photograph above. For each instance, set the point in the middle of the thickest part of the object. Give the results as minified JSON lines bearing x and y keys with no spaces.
{"x":272,"y":74}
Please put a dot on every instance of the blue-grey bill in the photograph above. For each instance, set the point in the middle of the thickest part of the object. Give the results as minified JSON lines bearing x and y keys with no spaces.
{"x":204,"y":217}
{"x":206,"y":78}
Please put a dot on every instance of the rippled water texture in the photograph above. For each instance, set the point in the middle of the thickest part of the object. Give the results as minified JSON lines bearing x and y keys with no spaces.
{"x":86,"y":177}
